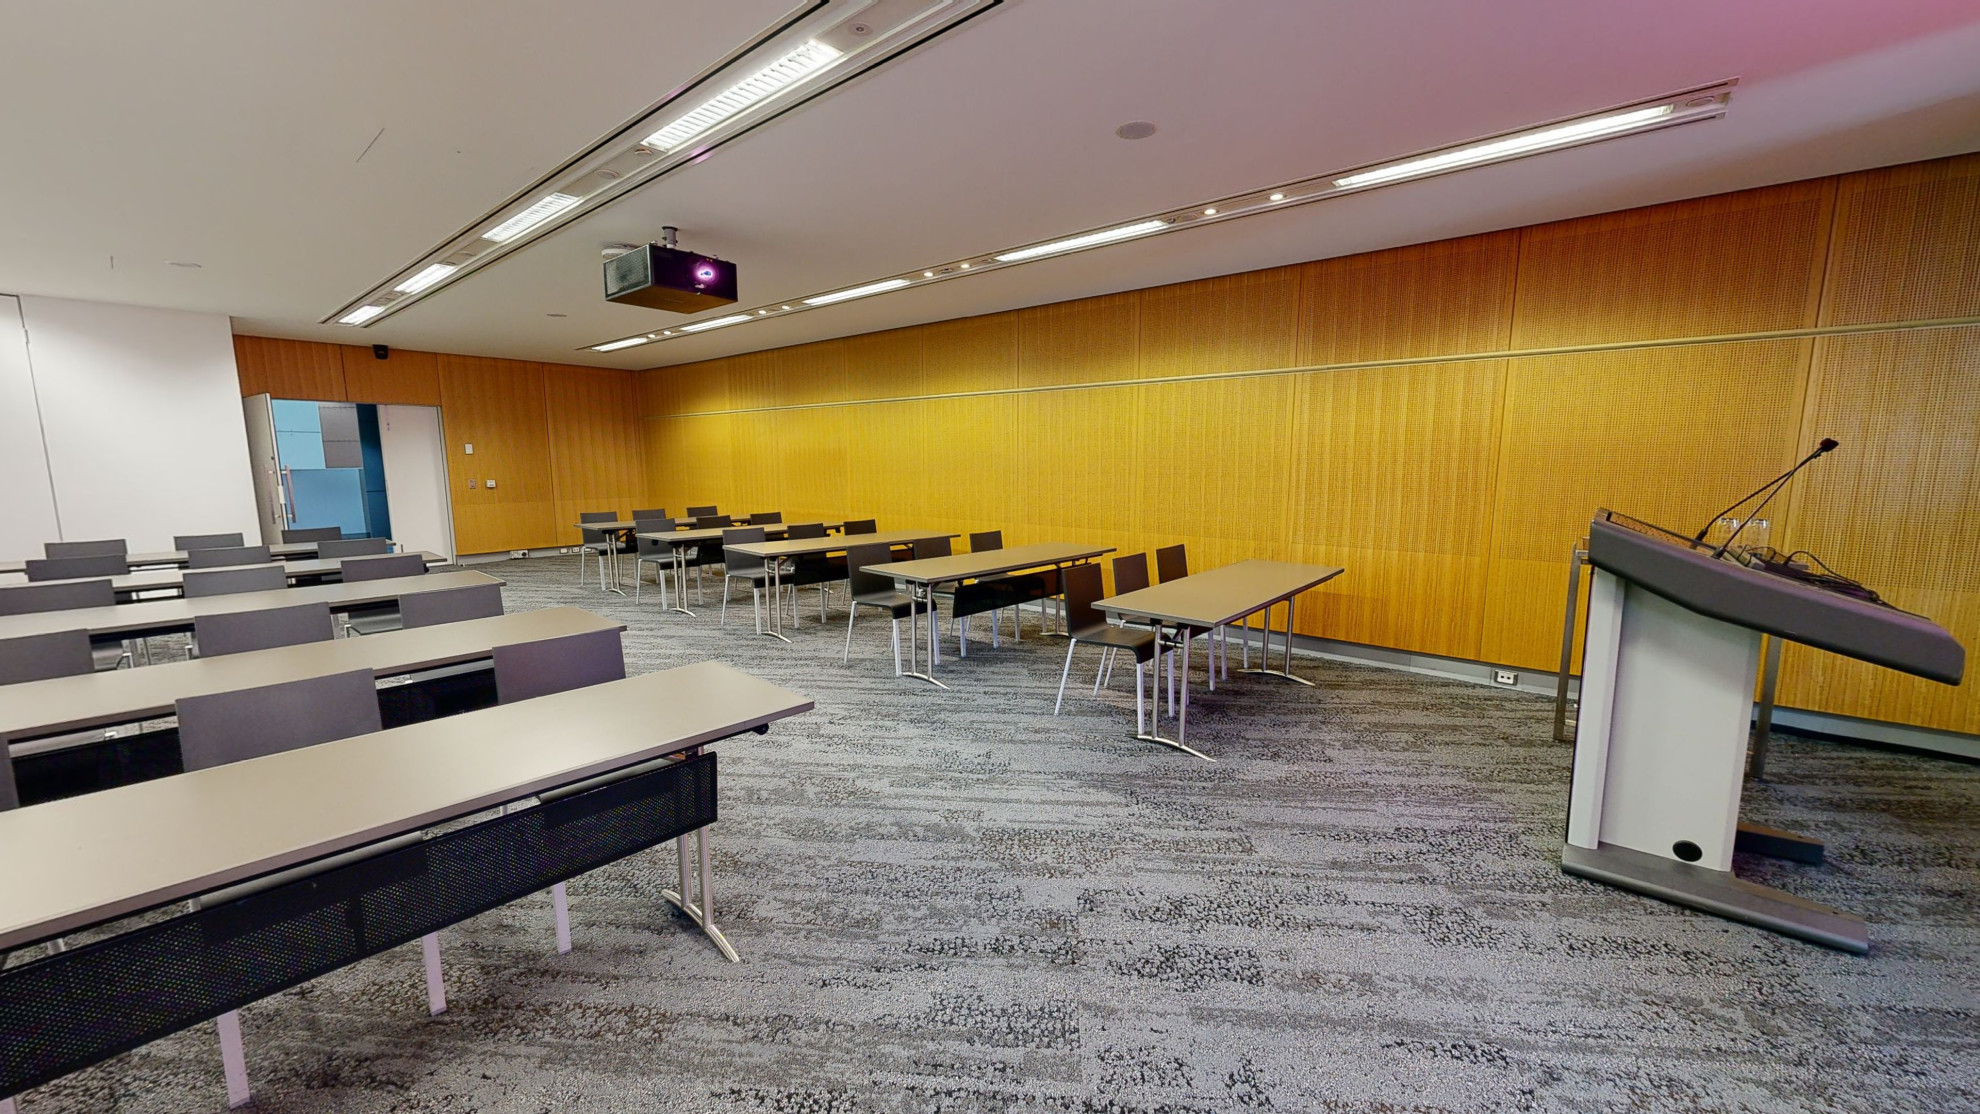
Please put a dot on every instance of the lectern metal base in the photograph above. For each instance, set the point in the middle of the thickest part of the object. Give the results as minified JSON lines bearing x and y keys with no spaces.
{"x":1718,"y":892}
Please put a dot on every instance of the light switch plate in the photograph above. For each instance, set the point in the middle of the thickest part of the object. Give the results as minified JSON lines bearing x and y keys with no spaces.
{"x":468,"y":448}
{"x":491,"y":485}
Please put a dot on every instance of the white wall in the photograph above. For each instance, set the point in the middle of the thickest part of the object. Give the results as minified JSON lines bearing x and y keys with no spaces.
{"x":415,"y":452}
{"x":141,"y":412}
{"x":27,"y":502}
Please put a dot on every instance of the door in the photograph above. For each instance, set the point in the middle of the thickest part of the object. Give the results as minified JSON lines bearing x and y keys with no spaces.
{"x":271,"y":503}
{"x":415,"y":453}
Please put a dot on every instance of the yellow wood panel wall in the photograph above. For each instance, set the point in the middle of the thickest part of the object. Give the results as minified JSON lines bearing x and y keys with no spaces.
{"x":499,"y":407}
{"x":402,"y":378}
{"x":597,"y":458}
{"x":289,"y":368}
{"x":1453,"y":483}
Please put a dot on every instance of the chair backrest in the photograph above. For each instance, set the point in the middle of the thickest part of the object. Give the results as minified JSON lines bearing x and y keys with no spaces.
{"x":651,"y":512}
{"x":28,"y":599}
{"x":931,"y":547}
{"x":863,"y":582}
{"x":190,"y":542}
{"x":652,"y":547}
{"x":711,"y":522}
{"x":237,"y":632}
{"x":986,"y":541}
{"x":224,"y":727}
{"x":862,"y":526}
{"x":1082,"y":590}
{"x":227,"y":555}
{"x":766,"y":518}
{"x":741,"y":562}
{"x":225,"y":582}
{"x":104,"y":548}
{"x":1130,"y":573}
{"x":352,"y":547}
{"x":8,"y":797}
{"x":450,"y":605}
{"x":314,"y":534}
{"x":530,"y":669}
{"x":598,"y":516}
{"x":1171,"y":563}
{"x":382,"y":567}
{"x":805,"y":530}
{"x":77,"y":568}
{"x":702,"y":512}
{"x":37,"y":657}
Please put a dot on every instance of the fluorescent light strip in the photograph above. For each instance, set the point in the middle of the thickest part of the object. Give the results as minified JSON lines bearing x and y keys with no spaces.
{"x":1509,"y":147}
{"x":629,"y":342}
{"x":425,"y":278}
{"x":880,"y":287}
{"x":360,"y":315}
{"x":764,"y":83}
{"x":531,"y":217}
{"x":715,"y":324}
{"x":1091,"y":239}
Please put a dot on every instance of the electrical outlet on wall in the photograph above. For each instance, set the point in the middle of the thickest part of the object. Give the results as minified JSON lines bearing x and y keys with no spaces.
{"x":1505,"y":677}
{"x":472,"y":484}
{"x":491,"y":485}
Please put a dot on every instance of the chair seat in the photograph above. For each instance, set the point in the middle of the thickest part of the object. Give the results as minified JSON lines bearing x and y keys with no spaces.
{"x":1141,"y":642}
{"x":374,"y":622}
{"x":900,"y":604}
{"x":758,"y":577}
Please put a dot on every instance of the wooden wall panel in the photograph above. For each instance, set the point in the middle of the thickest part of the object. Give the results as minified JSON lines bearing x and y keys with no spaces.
{"x":1906,"y":241}
{"x":1440,"y":299}
{"x":404,"y":378}
{"x":1231,"y":323}
{"x":1391,"y":478}
{"x":688,"y":463}
{"x":596,"y":459}
{"x":878,"y":365}
{"x":970,"y":353}
{"x":1737,"y":263}
{"x":1668,"y":435}
{"x":1093,"y":340}
{"x":1896,"y":507}
{"x":499,"y":407}
{"x":289,"y":368}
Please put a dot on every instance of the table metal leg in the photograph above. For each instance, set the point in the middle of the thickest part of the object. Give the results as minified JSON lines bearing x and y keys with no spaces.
{"x":1156,"y":736}
{"x":680,"y":582}
{"x":776,"y":630}
{"x":612,"y":545}
{"x":1265,"y":656}
{"x":700,"y":908}
{"x":914,"y":636}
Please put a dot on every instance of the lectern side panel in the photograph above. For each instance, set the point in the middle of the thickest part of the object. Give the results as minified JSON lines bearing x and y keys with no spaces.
{"x":1594,"y":718}
{"x":1677,"y":742}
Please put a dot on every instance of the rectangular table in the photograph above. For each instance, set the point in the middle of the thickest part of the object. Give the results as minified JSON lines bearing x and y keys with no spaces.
{"x":103,"y":857}
{"x":150,"y":617}
{"x":623,"y":534}
{"x":775,"y":552}
{"x":173,"y":579}
{"x":1217,"y":598}
{"x":929,"y":572}
{"x":176,"y":558}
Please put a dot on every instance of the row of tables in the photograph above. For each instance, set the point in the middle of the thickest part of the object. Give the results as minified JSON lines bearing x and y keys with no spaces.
{"x":176,"y":558}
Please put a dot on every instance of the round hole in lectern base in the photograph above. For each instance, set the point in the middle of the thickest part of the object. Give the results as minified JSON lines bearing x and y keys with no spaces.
{"x":1687,"y":850}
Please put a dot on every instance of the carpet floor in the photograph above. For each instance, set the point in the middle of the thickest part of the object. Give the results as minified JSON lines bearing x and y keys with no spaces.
{"x":953,"y":901}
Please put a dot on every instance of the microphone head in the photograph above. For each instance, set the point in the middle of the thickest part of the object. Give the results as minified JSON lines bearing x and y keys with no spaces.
{"x":1828,"y":443}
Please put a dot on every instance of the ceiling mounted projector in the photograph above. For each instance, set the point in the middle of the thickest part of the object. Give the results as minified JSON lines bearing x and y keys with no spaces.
{"x":662,"y":276}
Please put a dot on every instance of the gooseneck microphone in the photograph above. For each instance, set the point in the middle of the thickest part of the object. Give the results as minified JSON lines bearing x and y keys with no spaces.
{"x":1778,"y":483}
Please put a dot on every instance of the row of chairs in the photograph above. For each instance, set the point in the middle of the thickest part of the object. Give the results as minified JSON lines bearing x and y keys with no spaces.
{"x":1087,"y":623}
{"x":64,"y":562}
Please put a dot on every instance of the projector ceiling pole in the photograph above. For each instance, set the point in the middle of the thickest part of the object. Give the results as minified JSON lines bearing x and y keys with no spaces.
{"x":668,"y":235}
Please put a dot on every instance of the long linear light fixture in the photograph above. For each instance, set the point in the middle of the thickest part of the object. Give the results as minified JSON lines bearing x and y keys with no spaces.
{"x":824,"y":44}
{"x":1689,"y":106}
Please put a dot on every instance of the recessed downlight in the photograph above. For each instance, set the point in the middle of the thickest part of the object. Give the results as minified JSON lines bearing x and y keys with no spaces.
{"x":1135,"y":129}
{"x":360,"y":315}
{"x":1210,"y":212}
{"x":1089,"y":240}
{"x":761,"y":85}
{"x":529,"y":218}
{"x":732,"y":319}
{"x":1277,"y":197}
{"x":614,"y":346}
{"x":425,"y":278}
{"x":850,"y":293}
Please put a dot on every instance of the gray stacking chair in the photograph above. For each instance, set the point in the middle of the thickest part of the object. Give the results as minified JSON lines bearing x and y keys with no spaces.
{"x":237,"y":632}
{"x":226,"y":582}
{"x":1130,"y":575}
{"x":819,"y":571}
{"x":190,"y":542}
{"x":38,"y":657}
{"x":988,"y":541}
{"x":766,"y":518}
{"x":750,"y":570}
{"x":528,"y":670}
{"x":77,"y":568}
{"x":874,"y":589}
{"x":650,"y":552}
{"x":703,"y":512}
{"x":862,"y":526}
{"x":1086,"y":623}
{"x":450,"y":605}
{"x":388,"y":566}
{"x":340,"y":548}
{"x":313,"y":534}
{"x":926,"y":548}
{"x":225,"y":556}
{"x":650,"y":512}
{"x":108,"y":547}
{"x":597,"y":543}
{"x":67,"y":595}
{"x":1172,"y":563}
{"x":226,"y":727}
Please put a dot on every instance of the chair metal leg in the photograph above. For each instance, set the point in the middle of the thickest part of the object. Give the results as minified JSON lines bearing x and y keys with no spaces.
{"x":725,"y":601}
{"x":233,"y":1059}
{"x":1063,"y":674}
{"x":852,"y":612}
{"x":436,"y":987}
{"x":897,"y":647}
{"x":1140,"y":680}
{"x":1100,"y":668}
{"x":560,"y":901}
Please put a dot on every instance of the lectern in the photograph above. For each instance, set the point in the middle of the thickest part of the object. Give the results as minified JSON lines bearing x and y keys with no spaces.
{"x":1672,"y":649}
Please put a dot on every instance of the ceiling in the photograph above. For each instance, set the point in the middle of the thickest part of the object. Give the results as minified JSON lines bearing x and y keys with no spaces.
{"x":301,"y":153}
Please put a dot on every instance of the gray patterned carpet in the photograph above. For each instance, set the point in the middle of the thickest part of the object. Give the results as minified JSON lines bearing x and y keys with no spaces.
{"x":951,"y":901}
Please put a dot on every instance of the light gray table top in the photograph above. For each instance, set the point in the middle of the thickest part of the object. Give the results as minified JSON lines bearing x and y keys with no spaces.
{"x":808,"y":547}
{"x":682,"y":538}
{"x":154,"y":616}
{"x":991,"y":562}
{"x":147,"y":580}
{"x":69,"y":704}
{"x":1221,"y":595}
{"x":285,"y":551}
{"x":105,"y":855}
